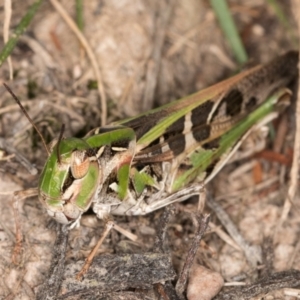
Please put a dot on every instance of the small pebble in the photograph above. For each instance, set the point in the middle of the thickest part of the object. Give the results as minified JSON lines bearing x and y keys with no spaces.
{"x":204,"y":284}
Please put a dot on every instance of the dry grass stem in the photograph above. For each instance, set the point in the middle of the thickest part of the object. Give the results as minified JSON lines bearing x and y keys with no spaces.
{"x":90,"y":54}
{"x":6,"y":26}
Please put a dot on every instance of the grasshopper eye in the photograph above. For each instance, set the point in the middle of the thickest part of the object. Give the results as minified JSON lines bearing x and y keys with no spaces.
{"x":79,"y":164}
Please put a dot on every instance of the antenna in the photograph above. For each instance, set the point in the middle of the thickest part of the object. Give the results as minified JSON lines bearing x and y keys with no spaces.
{"x":58,"y":142}
{"x":27,"y":116}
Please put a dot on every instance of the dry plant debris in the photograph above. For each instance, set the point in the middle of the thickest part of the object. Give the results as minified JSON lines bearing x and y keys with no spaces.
{"x":149,"y":53}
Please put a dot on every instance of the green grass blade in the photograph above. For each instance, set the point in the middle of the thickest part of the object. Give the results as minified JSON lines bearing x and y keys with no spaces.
{"x":222,"y":12}
{"x":79,"y":14}
{"x":9,"y":46}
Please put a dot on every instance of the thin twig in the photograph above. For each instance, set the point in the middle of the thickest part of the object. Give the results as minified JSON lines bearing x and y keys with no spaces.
{"x":28,"y":117}
{"x":295,"y":166}
{"x":108,"y":227}
{"x":224,"y":236}
{"x":252,"y":253}
{"x":162,"y":229}
{"x":128,"y":234}
{"x":90,"y":54}
{"x":183,"y":276}
{"x":6,"y":25}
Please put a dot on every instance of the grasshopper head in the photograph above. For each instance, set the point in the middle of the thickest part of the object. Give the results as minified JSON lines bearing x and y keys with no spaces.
{"x":68,"y":182}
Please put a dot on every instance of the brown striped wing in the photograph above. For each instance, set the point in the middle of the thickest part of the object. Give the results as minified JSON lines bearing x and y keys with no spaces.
{"x":198,"y":120}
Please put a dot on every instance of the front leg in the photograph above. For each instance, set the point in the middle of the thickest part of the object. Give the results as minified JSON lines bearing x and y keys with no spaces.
{"x":115,"y":146}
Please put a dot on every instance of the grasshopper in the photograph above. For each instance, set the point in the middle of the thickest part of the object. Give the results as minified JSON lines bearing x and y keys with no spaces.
{"x":166,"y":155}
{"x":144,"y":163}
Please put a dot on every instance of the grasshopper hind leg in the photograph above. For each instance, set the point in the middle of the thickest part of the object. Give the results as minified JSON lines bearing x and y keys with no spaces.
{"x":148,"y":202}
{"x":195,"y":189}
